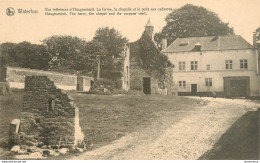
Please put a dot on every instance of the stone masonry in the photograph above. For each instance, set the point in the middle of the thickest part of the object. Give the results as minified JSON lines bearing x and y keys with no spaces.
{"x":49,"y":116}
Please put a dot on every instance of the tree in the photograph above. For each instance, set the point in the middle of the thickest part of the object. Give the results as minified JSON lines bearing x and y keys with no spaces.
{"x":72,"y":54}
{"x":192,"y":21}
{"x":86,"y":62}
{"x":25,"y":55}
{"x":114,"y":43}
{"x":112,"y":40}
{"x":62,"y":50}
{"x":257,"y":45}
{"x":31,"y":55}
{"x":5,"y":54}
{"x":257,"y":33}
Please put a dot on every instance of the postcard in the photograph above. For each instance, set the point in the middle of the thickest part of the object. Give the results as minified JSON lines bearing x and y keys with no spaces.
{"x":129,"y":80}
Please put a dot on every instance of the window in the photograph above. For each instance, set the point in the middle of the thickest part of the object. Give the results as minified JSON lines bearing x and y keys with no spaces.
{"x":243,"y":64}
{"x":182,"y":65}
{"x":182,"y":84}
{"x":184,"y":43}
{"x":208,"y":67}
{"x":194,"y":65}
{"x":208,"y":81}
{"x":228,"y":64}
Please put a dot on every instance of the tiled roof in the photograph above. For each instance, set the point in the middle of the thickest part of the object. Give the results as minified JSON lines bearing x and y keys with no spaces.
{"x":208,"y":43}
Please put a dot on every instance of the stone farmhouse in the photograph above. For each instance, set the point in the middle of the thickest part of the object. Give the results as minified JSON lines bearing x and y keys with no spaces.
{"x":226,"y":65}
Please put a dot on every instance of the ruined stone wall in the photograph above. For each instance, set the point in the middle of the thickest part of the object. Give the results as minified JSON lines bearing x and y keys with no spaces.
{"x":49,"y":116}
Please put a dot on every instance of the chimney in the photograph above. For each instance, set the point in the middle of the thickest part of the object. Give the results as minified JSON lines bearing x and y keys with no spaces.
{"x":197,"y":47}
{"x":149,"y":29}
{"x":254,"y":39}
{"x":164,"y":43}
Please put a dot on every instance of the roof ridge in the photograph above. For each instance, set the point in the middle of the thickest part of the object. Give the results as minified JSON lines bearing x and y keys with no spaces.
{"x":208,"y":36}
{"x":226,"y":42}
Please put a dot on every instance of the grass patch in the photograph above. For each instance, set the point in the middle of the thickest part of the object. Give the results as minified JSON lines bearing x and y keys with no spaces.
{"x":10,"y":108}
{"x":104,"y":118}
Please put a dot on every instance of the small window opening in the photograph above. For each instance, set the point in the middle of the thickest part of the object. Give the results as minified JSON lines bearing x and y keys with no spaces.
{"x":208,"y":67}
{"x":51,"y":105}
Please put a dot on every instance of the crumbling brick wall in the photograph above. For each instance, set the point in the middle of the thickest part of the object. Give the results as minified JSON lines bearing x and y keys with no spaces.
{"x":49,"y":116}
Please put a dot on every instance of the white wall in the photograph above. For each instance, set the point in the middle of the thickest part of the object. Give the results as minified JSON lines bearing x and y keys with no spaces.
{"x":217,"y":71}
{"x":87,"y":83}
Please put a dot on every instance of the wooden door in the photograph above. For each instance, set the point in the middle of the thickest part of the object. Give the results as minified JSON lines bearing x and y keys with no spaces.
{"x":147,"y":85}
{"x":193,"y":89}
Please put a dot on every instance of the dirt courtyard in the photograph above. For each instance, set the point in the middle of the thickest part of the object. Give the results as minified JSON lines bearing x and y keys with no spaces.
{"x":156,"y":127}
{"x":197,"y":135}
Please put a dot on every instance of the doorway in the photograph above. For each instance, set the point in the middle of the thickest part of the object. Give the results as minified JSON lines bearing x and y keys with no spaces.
{"x":147,"y":85}
{"x":193,"y":89}
{"x":238,"y":88}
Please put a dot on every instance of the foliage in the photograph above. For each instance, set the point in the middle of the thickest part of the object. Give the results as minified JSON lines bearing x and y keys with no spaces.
{"x":5,"y":57}
{"x":86,"y":62}
{"x":257,"y":31}
{"x":114,"y":43}
{"x":62,"y":49}
{"x":192,"y":21}
{"x":25,"y":55}
{"x":72,"y":54}
{"x":105,"y":87}
{"x":67,"y":53}
{"x":151,"y":59}
{"x":5,"y":89}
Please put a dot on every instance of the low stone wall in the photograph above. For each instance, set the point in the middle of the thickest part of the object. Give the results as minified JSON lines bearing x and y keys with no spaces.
{"x":16,"y":78}
{"x":49,"y":116}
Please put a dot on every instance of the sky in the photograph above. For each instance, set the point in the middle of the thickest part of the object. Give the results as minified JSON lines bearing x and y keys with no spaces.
{"x":242,"y":15}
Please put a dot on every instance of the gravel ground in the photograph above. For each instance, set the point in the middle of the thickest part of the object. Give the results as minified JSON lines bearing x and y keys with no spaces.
{"x":187,"y":139}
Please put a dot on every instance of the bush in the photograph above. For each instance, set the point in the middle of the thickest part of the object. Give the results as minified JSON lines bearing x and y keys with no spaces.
{"x":106,"y":87}
{"x":5,"y":89}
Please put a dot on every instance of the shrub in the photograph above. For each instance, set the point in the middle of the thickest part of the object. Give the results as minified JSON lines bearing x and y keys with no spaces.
{"x":106,"y":87}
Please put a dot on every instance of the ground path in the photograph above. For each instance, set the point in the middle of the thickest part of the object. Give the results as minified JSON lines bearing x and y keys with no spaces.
{"x":194,"y":133}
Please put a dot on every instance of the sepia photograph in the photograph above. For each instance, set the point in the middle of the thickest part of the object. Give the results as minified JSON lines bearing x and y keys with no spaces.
{"x":129,"y":80}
